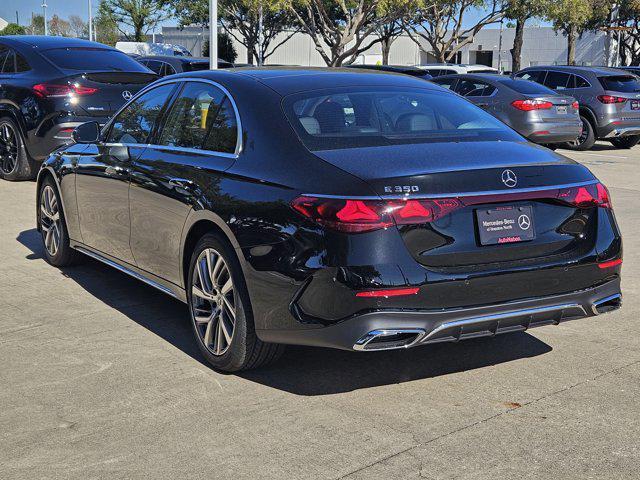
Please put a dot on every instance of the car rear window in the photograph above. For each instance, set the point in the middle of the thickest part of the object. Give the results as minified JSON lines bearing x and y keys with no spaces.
{"x":359,"y":117}
{"x":527,"y":87}
{"x":92,"y":59}
{"x":621,"y":83}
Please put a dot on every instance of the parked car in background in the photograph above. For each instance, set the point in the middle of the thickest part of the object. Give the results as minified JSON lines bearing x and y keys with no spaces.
{"x":404,"y":69}
{"x":609,"y":101}
{"x":165,"y":65}
{"x":439,"y":69}
{"x":534,"y":111}
{"x":631,"y":69}
{"x":357,"y":211}
{"x":149,"y":48}
{"x":50,"y":85}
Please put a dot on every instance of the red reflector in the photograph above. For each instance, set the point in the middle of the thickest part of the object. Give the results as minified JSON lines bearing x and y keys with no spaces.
{"x":542,"y":132}
{"x":528,"y":105}
{"x":575,"y":105}
{"x":392,"y":292}
{"x":610,"y":264}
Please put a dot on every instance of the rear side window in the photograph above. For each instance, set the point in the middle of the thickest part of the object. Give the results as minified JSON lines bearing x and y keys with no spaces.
{"x":9,"y":63}
{"x":557,"y":80}
{"x":201,"y":118}
{"x":195,"y":66}
{"x":621,"y":83}
{"x":445,"y":82}
{"x":135,"y":123}
{"x":168,"y":70}
{"x":92,"y":59}
{"x":580,"y":82}
{"x":154,"y":65}
{"x":21,"y":63}
{"x":526,"y":87}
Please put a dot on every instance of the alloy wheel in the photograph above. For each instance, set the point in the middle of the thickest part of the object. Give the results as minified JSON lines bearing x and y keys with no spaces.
{"x":213,"y":301}
{"x":50,"y":220}
{"x":583,"y":135}
{"x":8,"y":148}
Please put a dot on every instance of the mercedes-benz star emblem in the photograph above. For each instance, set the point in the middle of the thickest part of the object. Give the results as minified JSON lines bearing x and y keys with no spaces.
{"x":127,"y":95}
{"x":509,"y":178}
{"x":524,"y":222}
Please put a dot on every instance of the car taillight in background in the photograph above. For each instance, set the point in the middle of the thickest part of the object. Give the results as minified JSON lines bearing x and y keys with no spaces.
{"x":357,"y":216}
{"x":575,"y":105}
{"x":528,"y":105}
{"x":610,"y":99}
{"x":51,"y":90}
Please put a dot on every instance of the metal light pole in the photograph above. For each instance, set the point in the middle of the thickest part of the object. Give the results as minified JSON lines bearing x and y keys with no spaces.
{"x":90,"y":20}
{"x":213,"y":34}
{"x":260,"y":35}
{"x":500,"y":49}
{"x":44,"y":11}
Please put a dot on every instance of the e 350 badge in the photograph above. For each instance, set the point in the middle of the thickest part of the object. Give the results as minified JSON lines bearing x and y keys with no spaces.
{"x":402,"y":189}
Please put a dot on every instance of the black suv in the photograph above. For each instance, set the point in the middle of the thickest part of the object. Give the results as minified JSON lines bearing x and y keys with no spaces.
{"x":48,"y":86}
{"x":609,"y":101}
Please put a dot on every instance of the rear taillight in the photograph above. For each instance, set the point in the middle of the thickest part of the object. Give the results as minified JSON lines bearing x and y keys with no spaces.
{"x":575,"y":105}
{"x":357,"y":216}
{"x":528,"y":105}
{"x":595,"y":195}
{"x":50,"y":90}
{"x":610,"y":99}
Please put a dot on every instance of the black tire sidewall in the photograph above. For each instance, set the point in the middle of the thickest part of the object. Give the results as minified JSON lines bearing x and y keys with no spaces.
{"x":25,"y":167}
{"x":65,"y":253}
{"x":239,"y":352}
{"x":589,"y":141}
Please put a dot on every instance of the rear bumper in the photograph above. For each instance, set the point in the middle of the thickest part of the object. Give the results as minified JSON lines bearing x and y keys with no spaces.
{"x":391,"y":329}
{"x":559,"y":132}
{"x":621,"y":128}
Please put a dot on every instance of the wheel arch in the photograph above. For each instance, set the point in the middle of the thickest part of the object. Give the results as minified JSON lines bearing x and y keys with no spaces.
{"x":13,"y":112}
{"x":198,"y":224}
{"x":589,"y":115}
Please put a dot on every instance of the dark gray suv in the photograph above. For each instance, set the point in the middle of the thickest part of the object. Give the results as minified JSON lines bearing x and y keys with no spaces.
{"x":609,"y":101}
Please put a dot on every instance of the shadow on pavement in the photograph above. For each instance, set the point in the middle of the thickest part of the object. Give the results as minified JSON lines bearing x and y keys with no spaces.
{"x":302,"y":370}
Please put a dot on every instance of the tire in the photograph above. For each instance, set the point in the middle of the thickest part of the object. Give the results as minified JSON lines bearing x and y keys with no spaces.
{"x":212,"y":307}
{"x":625,"y":142}
{"x":15,"y":163}
{"x":587,"y":138}
{"x":552,"y":146}
{"x":53,"y":228}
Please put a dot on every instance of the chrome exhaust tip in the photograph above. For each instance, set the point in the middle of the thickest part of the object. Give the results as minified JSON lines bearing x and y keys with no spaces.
{"x":607,"y":304}
{"x":390,"y":339}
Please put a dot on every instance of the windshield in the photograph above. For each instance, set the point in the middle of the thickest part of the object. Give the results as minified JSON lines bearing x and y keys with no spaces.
{"x":621,"y":83}
{"x":366,"y":117}
{"x":93,"y":59}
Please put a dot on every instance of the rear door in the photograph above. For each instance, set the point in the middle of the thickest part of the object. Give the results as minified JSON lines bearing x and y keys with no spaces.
{"x":195,"y":145}
{"x":103,"y":174}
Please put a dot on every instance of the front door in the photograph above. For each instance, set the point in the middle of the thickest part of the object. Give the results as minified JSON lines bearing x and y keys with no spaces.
{"x":103,"y":175}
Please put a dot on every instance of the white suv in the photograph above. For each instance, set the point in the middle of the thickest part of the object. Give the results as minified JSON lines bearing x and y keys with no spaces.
{"x":439,"y":69}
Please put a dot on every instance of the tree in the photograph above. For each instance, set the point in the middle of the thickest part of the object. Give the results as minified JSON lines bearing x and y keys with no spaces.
{"x":226,"y":50}
{"x":388,"y":33}
{"x":623,"y":22}
{"x":140,"y":15}
{"x":241,"y":20}
{"x":341,"y":30}
{"x":59,"y":27}
{"x":105,"y":25}
{"x":13,"y":29}
{"x":442,"y":24}
{"x":78,"y":26}
{"x":37,"y":25}
{"x":573,"y":17}
{"x":520,"y":11}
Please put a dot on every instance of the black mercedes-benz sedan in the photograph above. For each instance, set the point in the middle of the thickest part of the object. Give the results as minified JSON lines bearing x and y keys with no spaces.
{"x":50,"y":85}
{"x":334,"y":208}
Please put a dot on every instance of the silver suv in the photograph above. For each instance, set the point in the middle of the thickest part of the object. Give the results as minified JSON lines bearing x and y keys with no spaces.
{"x":609,"y":101}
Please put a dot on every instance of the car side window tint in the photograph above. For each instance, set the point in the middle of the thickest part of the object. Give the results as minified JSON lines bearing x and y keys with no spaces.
{"x":9,"y":64}
{"x":471,"y":88}
{"x":168,"y":69}
{"x":192,"y":116}
{"x":21,"y":63}
{"x":446,"y":82}
{"x":557,"y":80}
{"x":581,"y":82}
{"x":4,"y":51}
{"x":156,"y":66}
{"x":533,"y":75}
{"x":135,"y":122}
{"x":223,"y":130}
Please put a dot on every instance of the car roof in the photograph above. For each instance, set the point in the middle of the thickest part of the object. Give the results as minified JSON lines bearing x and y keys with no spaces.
{"x":45,"y":42}
{"x":577,"y":69}
{"x":288,"y":80}
{"x":166,"y":58}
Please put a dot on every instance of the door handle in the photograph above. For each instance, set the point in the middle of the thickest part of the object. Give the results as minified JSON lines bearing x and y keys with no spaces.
{"x":116,"y":170}
{"x":182,"y":183}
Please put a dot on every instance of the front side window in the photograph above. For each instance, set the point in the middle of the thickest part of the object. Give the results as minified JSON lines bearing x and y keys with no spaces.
{"x":135,"y":122}
{"x":372,"y":116}
{"x":203,"y":118}
{"x":8,"y":65}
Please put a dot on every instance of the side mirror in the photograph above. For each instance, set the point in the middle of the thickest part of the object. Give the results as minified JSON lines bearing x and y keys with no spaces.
{"x":88,"y":132}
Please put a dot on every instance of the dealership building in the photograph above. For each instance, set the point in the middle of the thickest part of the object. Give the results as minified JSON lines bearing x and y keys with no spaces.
{"x":542,"y":45}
